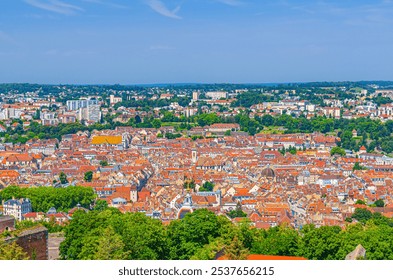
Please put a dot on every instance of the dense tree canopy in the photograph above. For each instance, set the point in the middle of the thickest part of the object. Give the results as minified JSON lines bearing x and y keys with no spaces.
{"x":108,"y":234}
{"x":43,"y":198}
{"x":129,"y":236}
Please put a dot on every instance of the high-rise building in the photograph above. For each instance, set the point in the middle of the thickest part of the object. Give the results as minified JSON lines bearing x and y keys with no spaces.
{"x":90,"y":113}
{"x":195,"y":95}
{"x":94,"y":113}
{"x":73,"y":105}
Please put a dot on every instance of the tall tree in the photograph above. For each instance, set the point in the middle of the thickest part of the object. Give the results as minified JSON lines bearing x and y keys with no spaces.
{"x":110,"y":246}
{"x":236,"y":250}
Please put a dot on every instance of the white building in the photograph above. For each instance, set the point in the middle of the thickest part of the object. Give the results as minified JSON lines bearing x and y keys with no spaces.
{"x":217,"y":94}
{"x":49,"y":118}
{"x":73,"y":105}
{"x":90,"y":113}
{"x":114,"y":100}
{"x":195,"y":95}
{"x":17,"y":208}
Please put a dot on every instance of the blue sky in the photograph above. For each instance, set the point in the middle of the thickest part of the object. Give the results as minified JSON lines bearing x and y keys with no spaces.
{"x":207,"y":41}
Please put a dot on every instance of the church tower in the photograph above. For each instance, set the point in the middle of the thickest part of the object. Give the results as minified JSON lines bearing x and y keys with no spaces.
{"x":186,"y":208}
{"x":194,"y":155}
{"x":134,"y":194}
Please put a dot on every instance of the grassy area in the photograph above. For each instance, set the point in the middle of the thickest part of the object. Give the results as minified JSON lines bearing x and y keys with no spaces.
{"x":356,"y":89}
{"x":273,"y":130}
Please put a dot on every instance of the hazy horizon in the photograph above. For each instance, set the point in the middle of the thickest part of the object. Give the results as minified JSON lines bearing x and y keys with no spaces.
{"x":194,"y":83}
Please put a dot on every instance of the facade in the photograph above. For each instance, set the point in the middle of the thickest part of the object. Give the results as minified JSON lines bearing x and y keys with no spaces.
{"x":17,"y":208}
{"x":73,"y":105}
{"x":90,"y":113}
{"x":217,"y":94}
{"x":49,"y":118}
{"x":195,"y":95}
{"x":7,"y":223}
{"x":114,"y":100}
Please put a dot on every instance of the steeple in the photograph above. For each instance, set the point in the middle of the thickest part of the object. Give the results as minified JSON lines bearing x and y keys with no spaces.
{"x":187,"y":201}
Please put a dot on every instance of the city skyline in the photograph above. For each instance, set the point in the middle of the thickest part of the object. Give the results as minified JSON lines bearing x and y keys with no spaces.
{"x":209,"y":41}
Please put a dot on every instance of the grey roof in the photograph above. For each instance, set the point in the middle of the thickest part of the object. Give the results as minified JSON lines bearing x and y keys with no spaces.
{"x":119,"y":200}
{"x":52,"y":210}
{"x":12,"y":202}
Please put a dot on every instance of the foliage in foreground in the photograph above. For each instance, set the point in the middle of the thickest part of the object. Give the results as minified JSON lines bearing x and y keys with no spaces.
{"x":11,"y":251}
{"x":109,"y":234}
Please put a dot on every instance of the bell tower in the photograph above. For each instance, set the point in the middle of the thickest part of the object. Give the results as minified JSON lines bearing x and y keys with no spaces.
{"x":194,"y":155}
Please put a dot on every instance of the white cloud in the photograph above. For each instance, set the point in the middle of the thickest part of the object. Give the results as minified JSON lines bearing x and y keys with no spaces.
{"x":106,"y":3}
{"x":231,"y":2}
{"x":55,"y":6}
{"x":159,"y":7}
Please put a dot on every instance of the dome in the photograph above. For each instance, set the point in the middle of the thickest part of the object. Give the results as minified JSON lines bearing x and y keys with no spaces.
{"x":183,"y":212}
{"x":268,"y":172}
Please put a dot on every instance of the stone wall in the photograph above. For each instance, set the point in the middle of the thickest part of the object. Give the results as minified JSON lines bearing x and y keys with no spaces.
{"x":34,"y":242}
{"x":7,"y":223}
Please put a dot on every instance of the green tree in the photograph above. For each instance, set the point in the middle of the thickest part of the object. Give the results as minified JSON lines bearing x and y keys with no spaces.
{"x":12,"y":251}
{"x":360,"y":202}
{"x":320,"y":243}
{"x":357,"y":166}
{"x":236,"y":250}
{"x":209,"y":251}
{"x":207,"y":187}
{"x":337,"y":151}
{"x":100,"y":205}
{"x":156,"y":123}
{"x":362,"y":215}
{"x":142,"y":238}
{"x":238,"y":212}
{"x":37,"y":115}
{"x":292,"y":150}
{"x":194,"y":231}
{"x":104,"y":163}
{"x":43,"y":198}
{"x":88,"y":177}
{"x":63,"y":178}
{"x":110,"y":246}
{"x":379,"y":203}
{"x":280,"y":241}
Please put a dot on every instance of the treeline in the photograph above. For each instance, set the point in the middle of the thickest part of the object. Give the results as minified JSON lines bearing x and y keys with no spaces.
{"x":18,"y":134}
{"x":43,"y":198}
{"x":347,"y":84}
{"x":250,"y":98}
{"x":370,"y":133}
{"x":73,"y":91}
{"x":108,"y":234}
{"x":373,"y":134}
